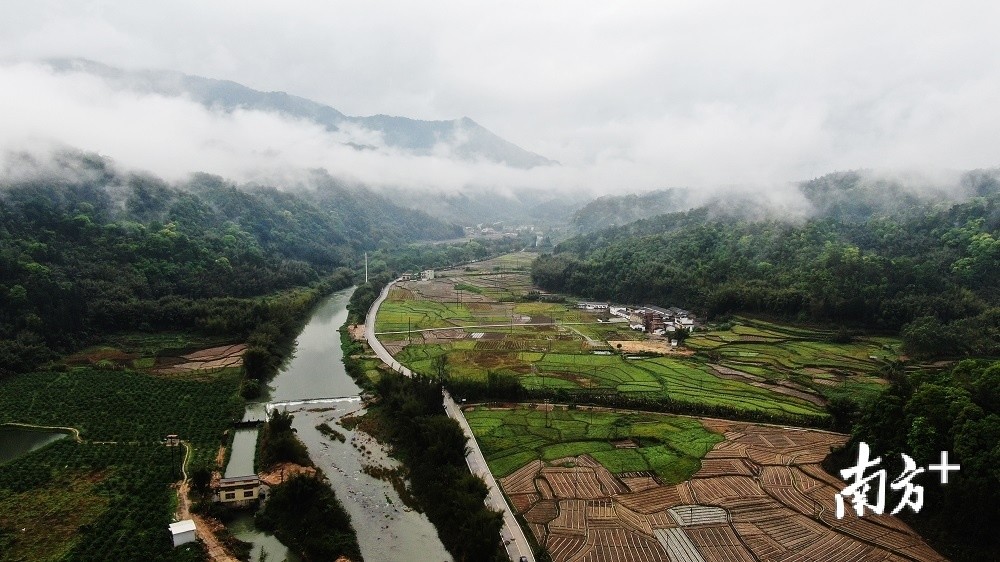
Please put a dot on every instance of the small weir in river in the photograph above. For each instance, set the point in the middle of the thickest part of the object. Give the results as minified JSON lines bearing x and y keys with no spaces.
{"x":315,"y":387}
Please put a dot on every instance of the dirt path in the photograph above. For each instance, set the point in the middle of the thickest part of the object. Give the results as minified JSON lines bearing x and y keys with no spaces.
{"x":205,"y":528}
{"x":184,"y":488}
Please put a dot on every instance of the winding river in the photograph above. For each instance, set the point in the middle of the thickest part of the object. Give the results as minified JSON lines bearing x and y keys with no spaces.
{"x":315,"y":387}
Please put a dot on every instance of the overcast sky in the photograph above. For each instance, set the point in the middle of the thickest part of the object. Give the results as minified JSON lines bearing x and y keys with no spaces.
{"x":649,"y":94}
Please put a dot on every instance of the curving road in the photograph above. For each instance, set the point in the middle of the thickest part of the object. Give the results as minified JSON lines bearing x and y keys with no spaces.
{"x":513,"y":537}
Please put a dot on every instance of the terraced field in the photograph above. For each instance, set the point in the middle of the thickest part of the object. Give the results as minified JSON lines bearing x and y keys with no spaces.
{"x":478,"y":318}
{"x":666,"y":446}
{"x":798,"y":358}
{"x":759,"y":493}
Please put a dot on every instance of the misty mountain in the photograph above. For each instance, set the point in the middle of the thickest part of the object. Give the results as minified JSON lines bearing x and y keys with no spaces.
{"x":880,"y":253}
{"x":487,"y":206}
{"x":851,"y":196}
{"x":466,"y":139}
{"x":858,"y":195}
{"x":86,"y":247}
{"x":616,"y":210}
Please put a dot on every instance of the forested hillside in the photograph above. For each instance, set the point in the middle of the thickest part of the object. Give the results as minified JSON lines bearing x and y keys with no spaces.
{"x":86,"y":248}
{"x":490,"y":205}
{"x":616,"y":210}
{"x":923,"y":414}
{"x":870,"y":256}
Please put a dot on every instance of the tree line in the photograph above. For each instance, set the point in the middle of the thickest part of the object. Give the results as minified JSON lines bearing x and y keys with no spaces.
{"x":433,"y":446}
{"x":928,"y":270}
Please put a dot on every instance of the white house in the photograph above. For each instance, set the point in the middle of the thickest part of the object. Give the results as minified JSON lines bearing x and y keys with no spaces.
{"x":182,"y":532}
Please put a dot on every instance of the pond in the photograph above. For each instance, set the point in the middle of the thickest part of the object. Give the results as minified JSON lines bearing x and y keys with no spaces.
{"x":18,"y":441}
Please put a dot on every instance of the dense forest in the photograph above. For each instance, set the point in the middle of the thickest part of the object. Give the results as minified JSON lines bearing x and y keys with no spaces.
{"x":872,"y":255}
{"x":86,"y":248}
{"x":616,"y":210}
{"x":920,"y":415}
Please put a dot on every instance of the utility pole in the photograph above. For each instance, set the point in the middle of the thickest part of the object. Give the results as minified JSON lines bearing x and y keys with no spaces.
{"x":366,"y":267}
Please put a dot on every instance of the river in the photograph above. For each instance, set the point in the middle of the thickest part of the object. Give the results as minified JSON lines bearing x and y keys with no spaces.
{"x":386,"y":529}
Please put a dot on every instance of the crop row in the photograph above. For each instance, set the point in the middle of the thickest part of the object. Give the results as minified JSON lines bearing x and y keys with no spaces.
{"x":124,"y":406}
{"x":119,"y":494}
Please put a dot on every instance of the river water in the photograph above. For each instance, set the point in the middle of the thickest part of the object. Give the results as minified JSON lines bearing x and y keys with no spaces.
{"x":386,"y":529}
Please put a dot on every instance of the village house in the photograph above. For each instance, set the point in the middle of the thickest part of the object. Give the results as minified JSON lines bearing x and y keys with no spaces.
{"x":584,"y":305}
{"x":182,"y":532}
{"x":620,"y":311}
{"x":427,"y":275}
{"x":659,"y":321}
{"x":239,"y":491}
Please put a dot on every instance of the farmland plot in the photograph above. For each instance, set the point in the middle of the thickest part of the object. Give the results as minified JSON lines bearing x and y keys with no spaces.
{"x":760,"y":494}
{"x":782,"y":372}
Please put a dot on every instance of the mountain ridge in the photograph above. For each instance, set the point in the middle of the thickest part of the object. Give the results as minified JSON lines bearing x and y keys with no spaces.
{"x":468,"y":139}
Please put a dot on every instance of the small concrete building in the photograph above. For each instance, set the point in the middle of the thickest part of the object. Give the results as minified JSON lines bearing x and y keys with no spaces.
{"x":427,"y":275}
{"x":182,"y":532}
{"x":239,"y":490}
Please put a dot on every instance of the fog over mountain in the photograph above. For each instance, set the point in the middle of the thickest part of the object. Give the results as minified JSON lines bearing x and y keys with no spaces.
{"x":710,"y":98}
{"x":173,"y":125}
{"x":464,"y":138}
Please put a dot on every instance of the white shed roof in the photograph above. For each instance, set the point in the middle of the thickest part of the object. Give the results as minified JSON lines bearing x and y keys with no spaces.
{"x":182,"y":526}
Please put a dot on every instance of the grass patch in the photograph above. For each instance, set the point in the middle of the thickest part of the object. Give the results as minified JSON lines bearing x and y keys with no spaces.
{"x":573,"y":449}
{"x":330,"y":432}
{"x":469,"y":288}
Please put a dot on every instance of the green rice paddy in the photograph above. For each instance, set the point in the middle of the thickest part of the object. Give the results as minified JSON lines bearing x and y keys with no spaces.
{"x":670,"y":446}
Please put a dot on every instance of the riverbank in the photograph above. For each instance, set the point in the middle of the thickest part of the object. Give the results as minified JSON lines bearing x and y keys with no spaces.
{"x":314,"y":386}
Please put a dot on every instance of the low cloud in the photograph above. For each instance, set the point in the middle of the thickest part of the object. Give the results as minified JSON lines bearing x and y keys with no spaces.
{"x":175,"y":136}
{"x":712,"y":147}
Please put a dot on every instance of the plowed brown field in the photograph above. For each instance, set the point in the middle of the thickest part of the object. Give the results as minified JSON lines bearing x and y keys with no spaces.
{"x":776,"y":503}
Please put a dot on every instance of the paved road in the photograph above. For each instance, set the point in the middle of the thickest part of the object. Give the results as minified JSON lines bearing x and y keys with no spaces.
{"x":513,"y":537}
